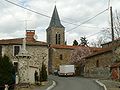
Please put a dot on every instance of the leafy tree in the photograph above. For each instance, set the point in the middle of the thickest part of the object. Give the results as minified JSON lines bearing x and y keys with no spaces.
{"x":75,"y":43}
{"x":7,"y":72}
{"x":43,"y":73}
{"x":84,"y":42}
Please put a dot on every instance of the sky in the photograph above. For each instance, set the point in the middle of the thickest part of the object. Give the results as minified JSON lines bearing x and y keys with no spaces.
{"x":15,"y":20}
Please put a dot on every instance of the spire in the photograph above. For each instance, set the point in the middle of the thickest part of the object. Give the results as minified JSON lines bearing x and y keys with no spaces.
{"x":55,"y":20}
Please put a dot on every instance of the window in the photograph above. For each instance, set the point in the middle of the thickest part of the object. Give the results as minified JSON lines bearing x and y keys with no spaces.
{"x":16,"y":49}
{"x":16,"y":66}
{"x":61,"y":57}
{"x":57,"y":38}
{"x":97,"y":63}
{"x":0,"y":51}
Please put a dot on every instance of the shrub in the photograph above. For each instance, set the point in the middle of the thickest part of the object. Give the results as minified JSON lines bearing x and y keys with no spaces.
{"x":7,"y":72}
{"x":43,"y":73}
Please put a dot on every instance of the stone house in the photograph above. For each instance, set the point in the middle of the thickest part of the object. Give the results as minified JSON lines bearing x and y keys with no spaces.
{"x":115,"y":67}
{"x":37,"y":50}
{"x":98,"y":64}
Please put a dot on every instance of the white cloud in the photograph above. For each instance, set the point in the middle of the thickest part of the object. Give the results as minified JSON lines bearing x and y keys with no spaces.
{"x":12,"y":18}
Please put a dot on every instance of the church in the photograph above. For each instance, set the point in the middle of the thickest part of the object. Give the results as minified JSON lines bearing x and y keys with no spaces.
{"x":27,"y":54}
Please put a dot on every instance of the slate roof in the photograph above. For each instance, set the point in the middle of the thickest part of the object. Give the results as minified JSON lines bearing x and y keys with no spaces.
{"x":55,"y":20}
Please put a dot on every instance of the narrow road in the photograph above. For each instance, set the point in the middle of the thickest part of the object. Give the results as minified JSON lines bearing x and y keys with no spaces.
{"x":75,"y":83}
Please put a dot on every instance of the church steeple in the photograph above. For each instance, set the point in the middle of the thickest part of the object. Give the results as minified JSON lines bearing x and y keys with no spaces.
{"x":55,"y":31}
{"x":55,"y":20}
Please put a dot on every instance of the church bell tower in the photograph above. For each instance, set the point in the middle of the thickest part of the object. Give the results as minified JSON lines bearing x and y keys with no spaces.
{"x":55,"y":31}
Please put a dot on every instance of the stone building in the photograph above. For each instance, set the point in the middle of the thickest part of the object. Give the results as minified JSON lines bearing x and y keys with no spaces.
{"x":59,"y":52}
{"x":37,"y":53}
{"x":59,"y":55}
{"x":98,"y":64}
{"x":55,"y":30}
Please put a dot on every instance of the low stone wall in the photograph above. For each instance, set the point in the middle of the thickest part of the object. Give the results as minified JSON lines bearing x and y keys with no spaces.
{"x":99,"y":73}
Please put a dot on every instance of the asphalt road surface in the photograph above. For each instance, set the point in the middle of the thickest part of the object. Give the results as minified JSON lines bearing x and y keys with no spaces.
{"x":75,"y":83}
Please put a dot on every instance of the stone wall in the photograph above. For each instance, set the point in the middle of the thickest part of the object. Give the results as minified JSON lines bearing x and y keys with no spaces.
{"x":59,"y":57}
{"x":51,"y":35}
{"x":99,"y":65}
{"x":38,"y":55}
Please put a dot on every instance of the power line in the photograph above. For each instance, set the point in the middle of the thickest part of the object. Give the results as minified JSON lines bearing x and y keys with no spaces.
{"x":28,"y":9}
{"x":88,"y":20}
{"x":108,"y":3}
{"x":50,"y":17}
{"x":36,"y":12}
{"x":93,"y":34}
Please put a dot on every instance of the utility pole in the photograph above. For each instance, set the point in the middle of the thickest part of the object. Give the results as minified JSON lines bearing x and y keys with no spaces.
{"x":112,"y":30}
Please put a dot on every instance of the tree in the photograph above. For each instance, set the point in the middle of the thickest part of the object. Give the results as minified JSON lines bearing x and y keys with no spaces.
{"x":117,"y":25}
{"x":7,"y":72}
{"x":84,"y":42}
{"x":75,"y":43}
{"x":106,"y":35}
{"x":77,"y":56}
{"x":43,"y":73}
{"x":97,"y":43}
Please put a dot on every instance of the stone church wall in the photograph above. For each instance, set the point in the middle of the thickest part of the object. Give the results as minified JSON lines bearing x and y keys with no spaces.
{"x":59,"y":57}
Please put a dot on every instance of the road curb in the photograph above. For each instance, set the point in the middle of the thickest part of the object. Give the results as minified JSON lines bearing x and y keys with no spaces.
{"x":52,"y":86}
{"x":101,"y":84}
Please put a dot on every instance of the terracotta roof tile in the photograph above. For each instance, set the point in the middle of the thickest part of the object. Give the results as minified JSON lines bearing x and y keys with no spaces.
{"x":63,"y":46}
{"x":20,"y":41}
{"x":103,"y":50}
{"x":93,"y":49}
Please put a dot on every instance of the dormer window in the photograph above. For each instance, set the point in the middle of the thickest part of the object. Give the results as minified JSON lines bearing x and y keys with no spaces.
{"x":16,"y":49}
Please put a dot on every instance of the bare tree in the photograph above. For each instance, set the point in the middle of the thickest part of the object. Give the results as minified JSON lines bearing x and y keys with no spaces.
{"x":100,"y":40}
{"x":107,"y":31}
{"x":106,"y":35}
{"x":117,"y":25}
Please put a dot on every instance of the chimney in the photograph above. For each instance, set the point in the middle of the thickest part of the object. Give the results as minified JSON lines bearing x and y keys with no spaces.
{"x":30,"y":35}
